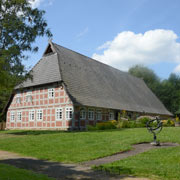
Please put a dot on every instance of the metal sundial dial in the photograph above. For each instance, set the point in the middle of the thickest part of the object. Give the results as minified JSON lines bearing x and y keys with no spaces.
{"x":154,"y":126}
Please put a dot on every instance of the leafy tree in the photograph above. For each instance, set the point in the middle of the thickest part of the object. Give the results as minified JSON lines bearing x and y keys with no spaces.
{"x":20,"y":25}
{"x":169,"y":93}
{"x":148,"y":75}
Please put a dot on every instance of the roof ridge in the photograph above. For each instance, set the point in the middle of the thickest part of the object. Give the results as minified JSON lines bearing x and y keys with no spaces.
{"x":95,"y":60}
{"x":58,"y":57}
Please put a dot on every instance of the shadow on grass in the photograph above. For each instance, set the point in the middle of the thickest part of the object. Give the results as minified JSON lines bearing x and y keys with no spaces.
{"x":114,"y":170}
{"x":58,"y":170}
{"x":41,"y":132}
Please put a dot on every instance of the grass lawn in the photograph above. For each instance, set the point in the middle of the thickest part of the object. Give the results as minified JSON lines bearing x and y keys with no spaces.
{"x":156,"y":164}
{"x":12,"y":173}
{"x":83,"y":146}
{"x":78,"y":146}
{"x":71,"y":146}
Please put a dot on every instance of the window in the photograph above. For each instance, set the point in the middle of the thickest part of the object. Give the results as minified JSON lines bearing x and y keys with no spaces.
{"x":111,"y":116}
{"x":69,"y":112}
{"x":82,"y":113}
{"x":39,"y":115}
{"x":29,"y":97}
{"x":99,"y":115}
{"x":18,"y":98}
{"x":91,"y":114}
{"x":51,"y":93}
{"x":19,"y":116}
{"x":31,"y":115}
{"x":59,"y":114}
{"x":12,"y":116}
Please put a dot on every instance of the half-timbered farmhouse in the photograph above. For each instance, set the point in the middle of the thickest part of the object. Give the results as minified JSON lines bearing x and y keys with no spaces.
{"x":70,"y":91}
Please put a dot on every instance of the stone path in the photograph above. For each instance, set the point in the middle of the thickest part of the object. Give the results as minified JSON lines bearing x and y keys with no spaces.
{"x":81,"y":171}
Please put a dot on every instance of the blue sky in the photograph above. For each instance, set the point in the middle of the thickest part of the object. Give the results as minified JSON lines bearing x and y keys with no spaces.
{"x":120,"y":33}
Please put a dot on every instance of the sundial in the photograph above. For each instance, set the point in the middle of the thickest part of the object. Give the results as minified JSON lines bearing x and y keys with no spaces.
{"x":154,"y":126}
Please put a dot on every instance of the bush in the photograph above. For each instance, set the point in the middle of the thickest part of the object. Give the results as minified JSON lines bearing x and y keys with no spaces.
{"x":144,"y":120}
{"x":113,"y":121}
{"x":168,"y":123}
{"x":113,"y":124}
{"x":123,"y":124}
{"x":106,"y":125}
{"x":177,"y":119}
{"x":91,"y":128}
{"x":103,"y":125}
{"x":133,"y":124}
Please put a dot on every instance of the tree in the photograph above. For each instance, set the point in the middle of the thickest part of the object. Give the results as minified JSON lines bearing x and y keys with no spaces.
{"x":148,"y":75}
{"x":20,"y":25}
{"x":169,"y":93}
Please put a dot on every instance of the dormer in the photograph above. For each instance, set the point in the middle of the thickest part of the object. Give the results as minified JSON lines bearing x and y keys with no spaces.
{"x":50,"y":49}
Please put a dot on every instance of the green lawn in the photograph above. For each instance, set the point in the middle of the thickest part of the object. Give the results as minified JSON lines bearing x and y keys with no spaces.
{"x":78,"y":146}
{"x":8,"y":172}
{"x":83,"y":146}
{"x":156,"y":164}
{"x":71,"y":146}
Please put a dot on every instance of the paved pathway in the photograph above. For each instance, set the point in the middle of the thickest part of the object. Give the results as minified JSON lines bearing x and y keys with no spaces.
{"x":137,"y":148}
{"x":82,"y":171}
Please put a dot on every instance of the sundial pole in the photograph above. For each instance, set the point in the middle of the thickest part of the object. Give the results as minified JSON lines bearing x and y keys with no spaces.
{"x":154,"y":126}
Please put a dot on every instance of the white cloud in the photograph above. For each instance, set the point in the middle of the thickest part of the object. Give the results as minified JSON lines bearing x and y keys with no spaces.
{"x":177,"y":69}
{"x":128,"y":49}
{"x":104,"y":46}
{"x":35,"y":3}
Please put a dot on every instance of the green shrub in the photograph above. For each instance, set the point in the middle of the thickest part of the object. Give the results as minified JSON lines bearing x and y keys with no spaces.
{"x":103,"y":125}
{"x":168,"y":123}
{"x":106,"y":125}
{"x":91,"y":128}
{"x":123,"y":124}
{"x":143,"y":121}
{"x":133,"y":124}
{"x":113,"y":121}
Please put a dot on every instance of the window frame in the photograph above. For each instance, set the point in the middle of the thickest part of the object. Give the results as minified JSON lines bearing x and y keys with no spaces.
{"x":69,"y":109}
{"x":30,"y":115}
{"x":28,"y":96}
{"x":97,"y":114}
{"x":90,"y":110}
{"x":18,"y":98}
{"x":61,"y":112}
{"x":37,"y":115}
{"x":111,"y":113}
{"x":84,"y":115}
{"x":12,"y":114}
{"x":52,"y":92}
{"x":19,"y":116}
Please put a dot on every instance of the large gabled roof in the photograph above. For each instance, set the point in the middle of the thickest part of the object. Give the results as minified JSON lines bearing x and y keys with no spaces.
{"x":92,"y":83}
